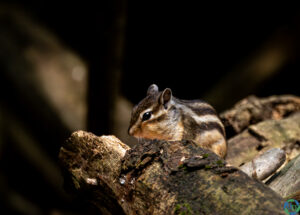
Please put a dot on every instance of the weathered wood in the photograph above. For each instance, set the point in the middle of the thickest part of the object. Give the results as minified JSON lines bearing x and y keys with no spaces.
{"x":252,"y":110}
{"x":287,"y":181}
{"x":264,"y":165}
{"x":160,"y":177}
{"x":264,"y":124}
{"x":260,"y":137}
{"x":92,"y":166}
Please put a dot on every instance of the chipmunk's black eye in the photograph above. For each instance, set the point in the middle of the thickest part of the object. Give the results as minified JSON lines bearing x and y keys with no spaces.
{"x":146,"y":116}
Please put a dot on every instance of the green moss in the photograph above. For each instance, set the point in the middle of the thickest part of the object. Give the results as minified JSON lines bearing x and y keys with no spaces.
{"x":208,"y":167}
{"x":220,"y":163}
{"x":182,"y":166}
{"x":205,"y":155}
{"x":183,"y":209}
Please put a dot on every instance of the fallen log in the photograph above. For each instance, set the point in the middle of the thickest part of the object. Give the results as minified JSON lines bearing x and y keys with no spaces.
{"x":252,"y":110}
{"x":260,"y":125}
{"x":160,"y":177}
{"x":287,"y":181}
{"x":263,"y":136}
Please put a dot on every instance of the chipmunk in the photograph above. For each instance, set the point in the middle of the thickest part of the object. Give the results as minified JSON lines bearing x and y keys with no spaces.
{"x":162,"y":116}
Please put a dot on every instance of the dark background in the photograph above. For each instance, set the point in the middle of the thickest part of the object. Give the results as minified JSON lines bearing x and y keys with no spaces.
{"x":217,"y":52}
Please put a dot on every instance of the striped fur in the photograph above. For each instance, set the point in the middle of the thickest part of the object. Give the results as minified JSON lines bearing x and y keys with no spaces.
{"x":177,"y":119}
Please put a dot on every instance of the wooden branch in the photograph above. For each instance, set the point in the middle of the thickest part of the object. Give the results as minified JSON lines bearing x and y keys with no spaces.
{"x":160,"y":177}
{"x":264,"y":165}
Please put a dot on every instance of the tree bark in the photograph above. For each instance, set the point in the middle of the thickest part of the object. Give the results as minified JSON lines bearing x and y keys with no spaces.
{"x":287,"y":181}
{"x":258,"y":138}
{"x":265,"y":164}
{"x":252,"y":110}
{"x":160,"y":177}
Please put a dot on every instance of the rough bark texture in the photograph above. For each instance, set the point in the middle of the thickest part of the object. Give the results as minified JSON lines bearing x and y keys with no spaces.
{"x":252,"y":110}
{"x":287,"y":181}
{"x":258,"y":138}
{"x":92,"y":166}
{"x":261,"y":125}
{"x":255,"y":125}
{"x":160,"y":177}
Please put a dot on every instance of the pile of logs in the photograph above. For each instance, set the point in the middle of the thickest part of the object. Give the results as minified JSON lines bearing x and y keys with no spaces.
{"x":161,"y":177}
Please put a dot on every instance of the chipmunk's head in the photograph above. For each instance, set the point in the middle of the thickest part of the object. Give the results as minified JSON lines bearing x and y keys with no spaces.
{"x":150,"y":116}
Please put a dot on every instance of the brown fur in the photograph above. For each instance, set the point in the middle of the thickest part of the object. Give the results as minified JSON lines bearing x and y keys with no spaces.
{"x":177,"y":119}
{"x":214,"y":141}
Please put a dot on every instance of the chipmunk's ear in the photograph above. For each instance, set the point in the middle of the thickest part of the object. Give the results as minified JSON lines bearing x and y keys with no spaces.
{"x":166,"y":97}
{"x":153,"y":89}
